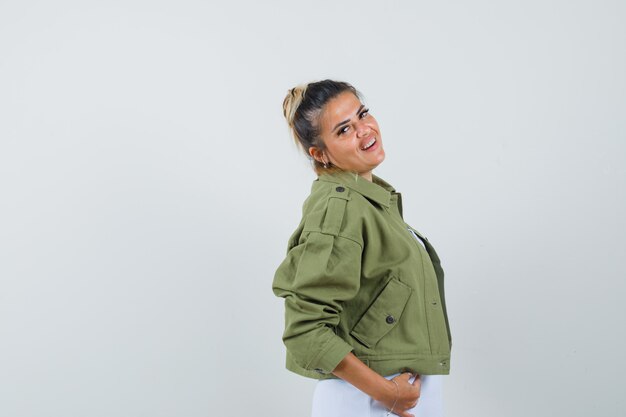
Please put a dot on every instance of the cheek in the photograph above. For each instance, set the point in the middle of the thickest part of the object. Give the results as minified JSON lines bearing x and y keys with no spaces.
{"x":343,"y":149}
{"x":373,"y":122}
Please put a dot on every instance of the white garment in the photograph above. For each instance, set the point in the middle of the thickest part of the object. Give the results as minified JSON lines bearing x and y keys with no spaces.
{"x":338,"y":398}
{"x":417,"y":238}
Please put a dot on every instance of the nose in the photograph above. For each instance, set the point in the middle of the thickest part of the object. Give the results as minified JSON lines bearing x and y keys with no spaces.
{"x":362,"y":129}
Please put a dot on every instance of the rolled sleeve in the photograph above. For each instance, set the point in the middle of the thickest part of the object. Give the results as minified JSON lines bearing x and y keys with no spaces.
{"x":317,"y":276}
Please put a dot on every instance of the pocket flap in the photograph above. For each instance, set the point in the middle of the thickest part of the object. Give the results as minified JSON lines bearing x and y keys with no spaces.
{"x":383,"y":314}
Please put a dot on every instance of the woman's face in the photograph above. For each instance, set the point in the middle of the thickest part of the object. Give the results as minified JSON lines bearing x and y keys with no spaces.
{"x":351,"y":136}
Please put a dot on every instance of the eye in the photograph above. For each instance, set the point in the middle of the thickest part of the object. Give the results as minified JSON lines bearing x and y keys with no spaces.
{"x":362,"y":115}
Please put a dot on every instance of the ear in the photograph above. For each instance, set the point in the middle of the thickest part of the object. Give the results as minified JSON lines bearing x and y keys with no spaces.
{"x":316,"y":154}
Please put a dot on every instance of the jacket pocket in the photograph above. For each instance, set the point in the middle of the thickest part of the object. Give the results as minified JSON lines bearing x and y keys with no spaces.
{"x":384,"y":313}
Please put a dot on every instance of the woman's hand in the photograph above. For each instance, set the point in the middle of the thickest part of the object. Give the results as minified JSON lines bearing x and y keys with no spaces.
{"x":404,"y":396}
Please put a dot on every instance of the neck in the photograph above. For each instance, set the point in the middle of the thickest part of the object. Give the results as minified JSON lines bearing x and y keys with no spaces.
{"x":367,"y":175}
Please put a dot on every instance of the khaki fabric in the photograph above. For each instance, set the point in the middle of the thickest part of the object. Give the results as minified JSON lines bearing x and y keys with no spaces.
{"x":356,"y":279}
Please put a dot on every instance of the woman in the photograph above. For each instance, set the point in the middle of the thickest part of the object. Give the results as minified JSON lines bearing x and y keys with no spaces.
{"x":364,"y":303}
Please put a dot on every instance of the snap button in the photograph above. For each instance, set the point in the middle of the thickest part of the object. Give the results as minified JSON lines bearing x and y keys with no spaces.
{"x":390,"y":319}
{"x":340,"y":189}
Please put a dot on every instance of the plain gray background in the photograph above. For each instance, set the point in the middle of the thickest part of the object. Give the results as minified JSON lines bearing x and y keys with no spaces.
{"x":149,"y":185}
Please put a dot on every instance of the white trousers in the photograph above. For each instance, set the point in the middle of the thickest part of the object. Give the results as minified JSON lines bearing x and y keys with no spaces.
{"x":338,"y":398}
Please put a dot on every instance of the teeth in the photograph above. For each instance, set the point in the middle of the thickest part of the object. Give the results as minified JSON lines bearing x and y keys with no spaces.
{"x":370,"y":143}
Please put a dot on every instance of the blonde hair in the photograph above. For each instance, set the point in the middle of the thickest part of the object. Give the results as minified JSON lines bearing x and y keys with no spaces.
{"x":292,"y":102}
{"x":302,"y":108}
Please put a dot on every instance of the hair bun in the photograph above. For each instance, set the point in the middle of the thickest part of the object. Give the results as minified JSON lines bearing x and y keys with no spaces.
{"x":292,"y":102}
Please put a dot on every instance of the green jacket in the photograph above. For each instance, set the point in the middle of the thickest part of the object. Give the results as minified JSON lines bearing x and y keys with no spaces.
{"x":355,"y":278}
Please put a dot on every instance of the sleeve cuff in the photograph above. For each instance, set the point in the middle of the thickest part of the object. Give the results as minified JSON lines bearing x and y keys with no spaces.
{"x":329,"y":357}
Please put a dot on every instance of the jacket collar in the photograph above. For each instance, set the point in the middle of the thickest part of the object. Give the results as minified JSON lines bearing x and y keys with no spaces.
{"x":378,"y":190}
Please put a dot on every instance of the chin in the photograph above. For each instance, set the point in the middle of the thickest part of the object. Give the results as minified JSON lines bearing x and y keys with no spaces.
{"x":376,"y":165}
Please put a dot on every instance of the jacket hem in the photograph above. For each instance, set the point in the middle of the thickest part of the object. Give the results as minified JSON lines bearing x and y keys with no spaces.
{"x":432,"y":365}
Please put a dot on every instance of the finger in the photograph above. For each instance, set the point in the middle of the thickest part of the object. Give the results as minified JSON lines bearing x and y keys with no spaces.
{"x":402,"y":378}
{"x":417,"y":381}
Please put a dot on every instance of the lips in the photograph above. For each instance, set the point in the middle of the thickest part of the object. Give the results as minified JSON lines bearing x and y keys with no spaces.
{"x":369,"y":144}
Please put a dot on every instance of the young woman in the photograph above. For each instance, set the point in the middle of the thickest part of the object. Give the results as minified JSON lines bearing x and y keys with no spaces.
{"x":364,"y":300}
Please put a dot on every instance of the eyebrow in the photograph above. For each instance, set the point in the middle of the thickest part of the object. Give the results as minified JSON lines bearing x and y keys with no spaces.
{"x":347,"y":120}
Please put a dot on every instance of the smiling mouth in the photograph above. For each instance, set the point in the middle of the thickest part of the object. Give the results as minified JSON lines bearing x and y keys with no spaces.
{"x":369,"y":144}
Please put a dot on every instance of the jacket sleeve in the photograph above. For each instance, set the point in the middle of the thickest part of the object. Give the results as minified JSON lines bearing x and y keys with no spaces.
{"x":319,"y":273}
